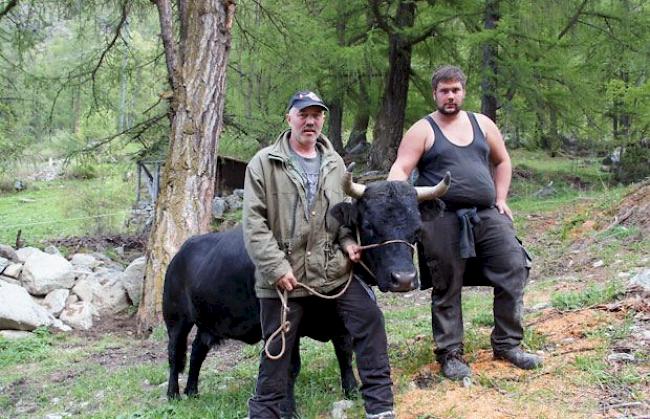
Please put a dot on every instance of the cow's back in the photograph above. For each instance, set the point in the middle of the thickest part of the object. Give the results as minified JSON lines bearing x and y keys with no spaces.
{"x":210,"y":281}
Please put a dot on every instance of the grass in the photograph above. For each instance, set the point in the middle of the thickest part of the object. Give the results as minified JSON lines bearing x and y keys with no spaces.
{"x":63,"y":208}
{"x":593,"y":295}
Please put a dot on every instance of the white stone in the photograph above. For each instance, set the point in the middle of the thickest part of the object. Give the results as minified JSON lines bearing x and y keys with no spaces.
{"x":9,"y":280}
{"x":598,"y":264}
{"x":78,"y":315}
{"x":340,"y":407}
{"x":52,"y":250}
{"x":84,"y":259}
{"x":86,"y":289}
{"x":43,"y":273}
{"x":642,"y":279}
{"x":3,"y":264}
{"x":13,"y":270}
{"x":59,"y":325}
{"x":55,"y":301}
{"x":18,"y":311}
{"x":133,"y":279}
{"x":24,"y":252}
{"x":15,"y":334}
{"x":107,"y":297}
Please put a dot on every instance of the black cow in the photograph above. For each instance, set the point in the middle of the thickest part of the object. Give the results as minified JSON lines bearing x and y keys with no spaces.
{"x":210,"y":282}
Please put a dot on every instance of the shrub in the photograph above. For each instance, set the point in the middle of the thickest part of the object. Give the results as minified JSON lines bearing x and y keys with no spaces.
{"x":82,"y":171}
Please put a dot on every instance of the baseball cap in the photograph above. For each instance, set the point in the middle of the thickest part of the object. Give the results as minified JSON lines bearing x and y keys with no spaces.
{"x":305,"y":98}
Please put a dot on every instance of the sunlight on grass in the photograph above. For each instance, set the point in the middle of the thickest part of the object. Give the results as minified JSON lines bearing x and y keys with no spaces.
{"x":593,"y":295}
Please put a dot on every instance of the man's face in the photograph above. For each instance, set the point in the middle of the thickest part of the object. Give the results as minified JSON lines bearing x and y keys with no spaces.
{"x":449,"y":96}
{"x":306,"y":124}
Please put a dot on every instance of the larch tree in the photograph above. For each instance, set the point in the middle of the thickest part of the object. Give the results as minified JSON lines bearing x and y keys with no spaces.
{"x":196,"y":65}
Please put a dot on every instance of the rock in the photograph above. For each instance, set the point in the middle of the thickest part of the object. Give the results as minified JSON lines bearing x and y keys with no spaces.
{"x":8,"y":252}
{"x":219,"y":207}
{"x":85,"y":260}
{"x":339,"y":409}
{"x":24,"y":252}
{"x":13,"y":270}
{"x":59,"y":325}
{"x":133,"y":279}
{"x":55,"y":300}
{"x":52,"y":250}
{"x":598,"y":264}
{"x":78,"y":315}
{"x":642,"y":279}
{"x":233,"y":202}
{"x":72,"y":298}
{"x":620,"y":357}
{"x":3,"y":264}
{"x":44,"y":272}
{"x":18,"y":311}
{"x":120,"y":251}
{"x":10,"y":280}
{"x":15,"y":334}
{"x":86,"y":289}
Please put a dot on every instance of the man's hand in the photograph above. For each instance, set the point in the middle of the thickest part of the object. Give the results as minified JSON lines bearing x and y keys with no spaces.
{"x":354,"y":252}
{"x":504,"y":209}
{"x":287,"y":282}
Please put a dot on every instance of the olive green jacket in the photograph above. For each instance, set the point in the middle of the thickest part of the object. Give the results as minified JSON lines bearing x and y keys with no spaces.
{"x":281,"y":232}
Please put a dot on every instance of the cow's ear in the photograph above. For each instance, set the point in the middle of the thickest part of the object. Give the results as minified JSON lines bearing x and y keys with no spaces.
{"x":431,"y":209}
{"x":345,"y":213}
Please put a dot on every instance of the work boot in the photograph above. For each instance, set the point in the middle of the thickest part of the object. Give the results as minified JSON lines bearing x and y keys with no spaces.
{"x":519,"y":358}
{"x":453,"y":366}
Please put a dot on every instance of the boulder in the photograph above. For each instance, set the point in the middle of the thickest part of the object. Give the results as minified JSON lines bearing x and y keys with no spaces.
{"x":85,"y":260}
{"x":24,"y":252}
{"x":3,"y":264}
{"x":86,"y":289}
{"x":52,"y":250}
{"x":8,"y":252}
{"x":43,"y":273}
{"x":106,"y":292}
{"x":55,"y":300}
{"x":133,"y":279}
{"x":13,"y":270}
{"x":9,"y":280}
{"x":18,"y":311}
{"x":78,"y":315}
{"x":15,"y":334}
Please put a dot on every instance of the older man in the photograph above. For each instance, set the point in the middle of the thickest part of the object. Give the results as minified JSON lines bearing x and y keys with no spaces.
{"x":477,"y":224}
{"x":289,"y":188}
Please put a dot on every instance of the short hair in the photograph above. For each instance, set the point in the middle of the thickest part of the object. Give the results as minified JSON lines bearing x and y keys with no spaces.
{"x":448,"y":73}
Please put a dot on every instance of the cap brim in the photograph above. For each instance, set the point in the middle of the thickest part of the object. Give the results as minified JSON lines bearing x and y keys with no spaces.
{"x":302,"y":104}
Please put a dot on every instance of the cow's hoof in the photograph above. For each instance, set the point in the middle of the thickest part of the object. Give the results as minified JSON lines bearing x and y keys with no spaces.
{"x":173,"y":396}
{"x":191,"y":393}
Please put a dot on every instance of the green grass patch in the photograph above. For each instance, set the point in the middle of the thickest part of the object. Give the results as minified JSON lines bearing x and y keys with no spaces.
{"x":32,"y":349}
{"x":592,"y":295}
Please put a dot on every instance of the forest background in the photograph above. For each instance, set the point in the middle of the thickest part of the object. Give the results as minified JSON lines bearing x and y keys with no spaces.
{"x":102,"y":82}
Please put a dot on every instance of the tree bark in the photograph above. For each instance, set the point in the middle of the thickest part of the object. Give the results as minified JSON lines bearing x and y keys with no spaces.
{"x":389,"y":124}
{"x":489,"y":104}
{"x":183,"y":207}
{"x":334,"y":132}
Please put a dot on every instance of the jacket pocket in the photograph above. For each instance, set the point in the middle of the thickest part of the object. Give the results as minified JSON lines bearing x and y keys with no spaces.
{"x":337,"y":263}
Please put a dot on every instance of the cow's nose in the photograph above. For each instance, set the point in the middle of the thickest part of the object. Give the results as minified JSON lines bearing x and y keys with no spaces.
{"x":403,"y":281}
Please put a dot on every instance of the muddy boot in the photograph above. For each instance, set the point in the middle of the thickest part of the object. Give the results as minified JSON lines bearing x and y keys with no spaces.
{"x":519,"y":358}
{"x":453,"y":366}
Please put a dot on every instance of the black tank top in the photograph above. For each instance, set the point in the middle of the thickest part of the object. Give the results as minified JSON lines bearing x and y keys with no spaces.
{"x":471,"y":180}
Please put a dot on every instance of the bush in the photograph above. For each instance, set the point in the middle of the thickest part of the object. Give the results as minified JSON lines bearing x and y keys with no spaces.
{"x":635,"y":163}
{"x":82,"y":171}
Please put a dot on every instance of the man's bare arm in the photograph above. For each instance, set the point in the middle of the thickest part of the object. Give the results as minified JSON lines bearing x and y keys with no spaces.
{"x":410,"y":150}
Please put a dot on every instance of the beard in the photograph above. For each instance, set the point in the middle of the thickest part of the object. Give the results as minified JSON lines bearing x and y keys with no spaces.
{"x":443,"y":110}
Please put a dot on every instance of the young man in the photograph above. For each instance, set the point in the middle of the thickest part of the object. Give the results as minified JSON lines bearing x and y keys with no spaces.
{"x":289,"y":188}
{"x":476,"y":225}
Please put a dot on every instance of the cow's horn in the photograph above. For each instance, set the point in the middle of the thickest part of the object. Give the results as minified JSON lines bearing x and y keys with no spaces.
{"x":355,"y":190}
{"x":427,"y":193}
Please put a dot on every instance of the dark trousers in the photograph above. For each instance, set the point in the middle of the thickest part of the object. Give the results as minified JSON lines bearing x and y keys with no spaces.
{"x":501,"y":263}
{"x":364,"y":321}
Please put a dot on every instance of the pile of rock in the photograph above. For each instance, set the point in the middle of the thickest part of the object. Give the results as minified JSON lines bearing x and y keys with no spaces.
{"x":43,"y":288}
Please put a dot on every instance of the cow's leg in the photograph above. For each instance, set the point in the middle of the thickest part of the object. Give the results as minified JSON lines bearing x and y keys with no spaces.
{"x":176,"y":348}
{"x":200,"y":347}
{"x":343,"y":349}
{"x":288,"y":405}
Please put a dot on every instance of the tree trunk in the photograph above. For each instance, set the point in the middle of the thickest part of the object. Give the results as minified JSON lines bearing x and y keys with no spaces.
{"x":358,"y":135}
{"x":183,"y":207}
{"x":488,"y":84}
{"x":389,"y":124}
{"x":334,"y":133}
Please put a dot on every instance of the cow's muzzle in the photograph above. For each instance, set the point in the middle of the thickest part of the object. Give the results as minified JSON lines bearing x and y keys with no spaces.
{"x":403,"y":281}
